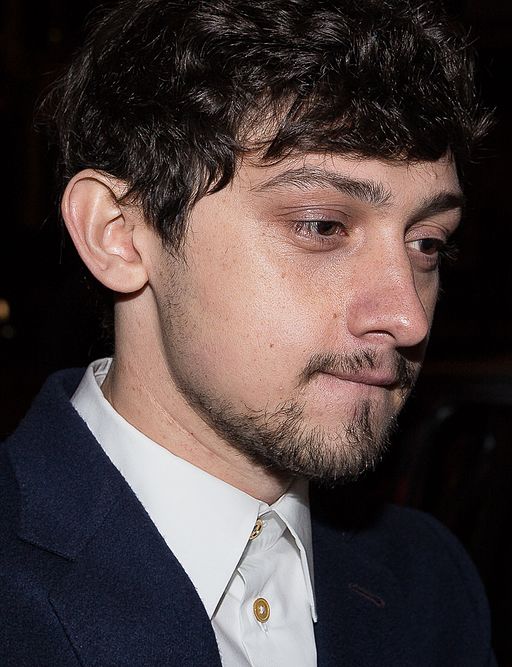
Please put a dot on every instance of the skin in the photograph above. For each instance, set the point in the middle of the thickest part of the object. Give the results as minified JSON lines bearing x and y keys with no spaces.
{"x":310,"y":283}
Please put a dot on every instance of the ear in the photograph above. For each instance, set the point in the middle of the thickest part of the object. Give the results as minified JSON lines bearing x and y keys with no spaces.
{"x":104,"y":232}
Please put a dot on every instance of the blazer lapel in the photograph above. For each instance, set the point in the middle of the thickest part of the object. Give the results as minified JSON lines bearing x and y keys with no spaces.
{"x":127,"y":601}
{"x":121,"y":596}
{"x":359,"y":600}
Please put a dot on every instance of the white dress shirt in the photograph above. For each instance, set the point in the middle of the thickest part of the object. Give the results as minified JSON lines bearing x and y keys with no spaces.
{"x":250,"y":563}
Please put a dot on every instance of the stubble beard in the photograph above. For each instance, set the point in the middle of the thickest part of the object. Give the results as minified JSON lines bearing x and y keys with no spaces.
{"x":282,"y":440}
{"x":283,"y":443}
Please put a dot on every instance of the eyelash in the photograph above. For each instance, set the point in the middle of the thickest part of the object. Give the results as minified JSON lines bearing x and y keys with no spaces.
{"x":446,"y":253}
{"x":449,"y":252}
{"x":305,"y":228}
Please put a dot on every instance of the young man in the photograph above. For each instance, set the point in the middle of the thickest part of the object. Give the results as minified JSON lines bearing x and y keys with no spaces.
{"x":266,"y":188}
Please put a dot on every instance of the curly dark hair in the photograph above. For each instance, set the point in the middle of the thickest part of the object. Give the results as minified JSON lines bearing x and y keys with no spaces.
{"x":168,"y":95}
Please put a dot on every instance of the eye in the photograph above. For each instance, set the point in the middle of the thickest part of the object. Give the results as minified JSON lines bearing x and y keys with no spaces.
{"x":429,"y":246}
{"x":325,"y":227}
{"x":431,"y":251}
{"x":319,"y":232}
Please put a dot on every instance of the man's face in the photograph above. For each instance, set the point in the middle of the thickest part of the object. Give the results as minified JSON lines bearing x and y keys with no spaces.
{"x":297,"y":321}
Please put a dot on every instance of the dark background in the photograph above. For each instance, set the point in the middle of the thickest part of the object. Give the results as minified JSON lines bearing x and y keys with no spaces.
{"x":452,"y":454}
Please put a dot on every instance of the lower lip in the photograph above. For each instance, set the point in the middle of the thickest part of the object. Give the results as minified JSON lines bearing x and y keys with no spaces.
{"x":331,"y":395}
{"x":337,"y":382}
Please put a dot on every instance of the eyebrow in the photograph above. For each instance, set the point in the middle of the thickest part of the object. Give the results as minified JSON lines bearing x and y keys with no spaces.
{"x":365,"y":190}
{"x":439,"y":203}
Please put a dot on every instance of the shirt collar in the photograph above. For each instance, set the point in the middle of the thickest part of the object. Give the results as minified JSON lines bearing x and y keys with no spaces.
{"x":205,"y":522}
{"x":293,"y":508}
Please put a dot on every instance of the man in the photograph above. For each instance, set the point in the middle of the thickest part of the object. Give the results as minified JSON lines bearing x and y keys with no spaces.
{"x":267,"y":190}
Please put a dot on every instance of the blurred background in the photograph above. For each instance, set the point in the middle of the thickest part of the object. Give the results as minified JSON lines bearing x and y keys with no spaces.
{"x":453,"y":453}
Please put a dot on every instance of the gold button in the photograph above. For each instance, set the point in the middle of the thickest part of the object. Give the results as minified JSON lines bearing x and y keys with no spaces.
{"x":261,"y":609}
{"x":258,"y":527}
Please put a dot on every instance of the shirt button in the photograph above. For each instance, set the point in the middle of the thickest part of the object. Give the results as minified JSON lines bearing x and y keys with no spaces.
{"x":258,"y":527}
{"x":261,"y":609}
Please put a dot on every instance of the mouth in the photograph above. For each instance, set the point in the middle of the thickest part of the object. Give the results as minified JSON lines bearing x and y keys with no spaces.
{"x":363,"y":370}
{"x":373,"y":378}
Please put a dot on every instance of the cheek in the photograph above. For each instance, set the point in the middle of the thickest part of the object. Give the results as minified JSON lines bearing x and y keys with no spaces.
{"x":250,"y":328}
{"x":427,"y":287}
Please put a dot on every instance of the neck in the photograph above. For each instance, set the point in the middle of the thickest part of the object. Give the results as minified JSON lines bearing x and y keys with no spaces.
{"x":141,"y":390}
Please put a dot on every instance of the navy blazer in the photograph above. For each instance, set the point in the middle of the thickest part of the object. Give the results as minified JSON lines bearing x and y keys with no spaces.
{"x":86,"y":579}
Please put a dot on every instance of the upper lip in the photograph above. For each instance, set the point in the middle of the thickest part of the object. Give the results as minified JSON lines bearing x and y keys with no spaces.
{"x":378,"y":378}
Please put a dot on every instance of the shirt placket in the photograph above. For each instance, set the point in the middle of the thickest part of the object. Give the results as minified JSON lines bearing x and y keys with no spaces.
{"x":257,"y":569}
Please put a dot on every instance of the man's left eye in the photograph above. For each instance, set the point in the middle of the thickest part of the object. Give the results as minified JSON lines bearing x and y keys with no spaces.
{"x":430,"y":252}
{"x":428,"y":246}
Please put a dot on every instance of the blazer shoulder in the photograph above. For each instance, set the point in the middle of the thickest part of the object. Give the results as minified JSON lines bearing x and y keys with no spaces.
{"x":422,"y":537}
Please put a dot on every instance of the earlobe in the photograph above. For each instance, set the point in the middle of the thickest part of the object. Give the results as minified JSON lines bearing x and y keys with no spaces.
{"x":103,"y":231}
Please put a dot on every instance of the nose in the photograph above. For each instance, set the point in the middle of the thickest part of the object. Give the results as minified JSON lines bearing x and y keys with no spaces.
{"x":391,"y":304}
